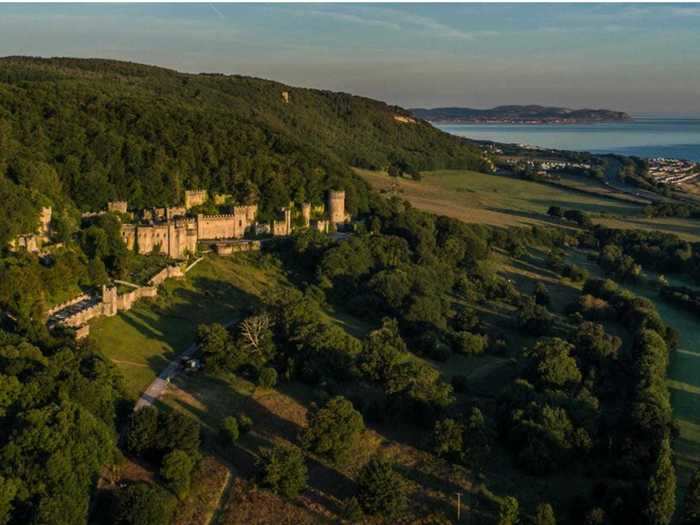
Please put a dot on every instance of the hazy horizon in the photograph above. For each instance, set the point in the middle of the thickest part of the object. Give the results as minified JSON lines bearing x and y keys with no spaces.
{"x":640,"y":58}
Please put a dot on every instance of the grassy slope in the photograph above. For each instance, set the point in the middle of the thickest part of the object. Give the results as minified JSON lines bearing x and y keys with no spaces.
{"x":141,"y":340}
{"x":506,"y":201}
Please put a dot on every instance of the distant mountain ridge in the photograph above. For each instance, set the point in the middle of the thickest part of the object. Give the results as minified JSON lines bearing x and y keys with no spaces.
{"x":514,"y":114}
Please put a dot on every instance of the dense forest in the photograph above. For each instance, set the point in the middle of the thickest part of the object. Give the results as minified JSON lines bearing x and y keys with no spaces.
{"x":77,"y":133}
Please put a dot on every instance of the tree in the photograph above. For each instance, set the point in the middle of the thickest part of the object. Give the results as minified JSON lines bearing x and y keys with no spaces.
{"x":144,"y":504}
{"x":142,"y":430}
{"x":552,"y":364}
{"x":257,"y":336}
{"x":691,"y":503}
{"x":383,"y":350}
{"x":333,"y":430}
{"x":508,"y":511}
{"x":230,"y":430}
{"x":661,"y":496}
{"x":178,"y":431}
{"x":542,"y":294}
{"x":544,"y":515}
{"x":596,"y":516}
{"x":283,"y":470}
{"x":593,"y":344}
{"x":176,"y":470}
{"x":8,"y":490}
{"x":466,"y":318}
{"x":381,"y":489}
{"x":267,"y":377}
{"x":214,"y":342}
{"x":448,"y":439}
{"x":534,"y":319}
{"x":469,"y":344}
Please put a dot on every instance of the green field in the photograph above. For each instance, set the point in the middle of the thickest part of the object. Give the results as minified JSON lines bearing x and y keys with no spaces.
{"x":142,"y":340}
{"x":501,"y":200}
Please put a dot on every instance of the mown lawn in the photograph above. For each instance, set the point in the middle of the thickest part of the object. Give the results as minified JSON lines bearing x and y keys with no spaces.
{"x":142,"y":340}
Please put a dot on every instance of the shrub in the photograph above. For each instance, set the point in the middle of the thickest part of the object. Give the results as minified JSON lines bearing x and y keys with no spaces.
{"x":267,"y":377}
{"x":142,"y":430}
{"x":469,"y":344}
{"x":230,"y":430}
{"x":144,"y":504}
{"x":352,"y":510}
{"x":542,"y":295}
{"x":245,"y":424}
{"x":176,"y":470}
{"x":283,"y":470}
{"x":381,"y":489}
{"x":448,"y":439}
{"x":508,"y":511}
{"x":545,"y":515}
{"x":177,"y":431}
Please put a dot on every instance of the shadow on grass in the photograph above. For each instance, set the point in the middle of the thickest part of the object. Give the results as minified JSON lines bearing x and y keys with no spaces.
{"x":328,"y":486}
{"x":174,"y":319}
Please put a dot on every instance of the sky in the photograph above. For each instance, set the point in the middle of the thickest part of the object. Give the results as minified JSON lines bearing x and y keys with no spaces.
{"x":640,"y":58}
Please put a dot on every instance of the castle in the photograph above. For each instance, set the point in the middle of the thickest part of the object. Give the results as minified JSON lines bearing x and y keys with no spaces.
{"x":172,"y":233}
{"x":32,"y":242}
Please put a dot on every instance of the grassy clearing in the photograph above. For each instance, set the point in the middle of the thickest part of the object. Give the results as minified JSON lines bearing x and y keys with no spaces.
{"x":141,"y":341}
{"x":493,"y":199}
{"x":506,"y":201}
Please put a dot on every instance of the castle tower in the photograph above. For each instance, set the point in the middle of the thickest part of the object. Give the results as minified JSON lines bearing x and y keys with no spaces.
{"x":288,"y":219}
{"x":117,"y":206}
{"x":109,"y":300}
{"x":336,"y":206}
{"x":306,"y":213}
{"x":45,"y":223}
{"x":195,"y":198}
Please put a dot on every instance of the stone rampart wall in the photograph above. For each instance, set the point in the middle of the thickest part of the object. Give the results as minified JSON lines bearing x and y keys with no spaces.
{"x":68,"y":303}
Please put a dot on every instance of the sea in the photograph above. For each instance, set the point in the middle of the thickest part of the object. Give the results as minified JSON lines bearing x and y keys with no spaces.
{"x":676,"y":138}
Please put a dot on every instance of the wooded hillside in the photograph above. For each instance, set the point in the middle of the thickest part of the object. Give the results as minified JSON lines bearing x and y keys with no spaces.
{"x":81,"y":132}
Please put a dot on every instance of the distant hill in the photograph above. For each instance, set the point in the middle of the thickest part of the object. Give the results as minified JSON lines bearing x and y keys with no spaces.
{"x":519,"y":115}
{"x":76,"y":133}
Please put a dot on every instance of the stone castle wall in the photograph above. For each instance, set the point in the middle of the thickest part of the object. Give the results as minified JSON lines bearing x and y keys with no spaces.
{"x":71,"y":302}
{"x":195,"y":198}
{"x":32,"y":242}
{"x":178,"y":237}
{"x":169,"y":272}
{"x":117,"y":206}
{"x":73,"y":315}
{"x":221,"y":226}
{"x":174,"y":238}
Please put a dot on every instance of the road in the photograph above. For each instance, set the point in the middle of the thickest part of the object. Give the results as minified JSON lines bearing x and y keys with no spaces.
{"x":157,"y":387}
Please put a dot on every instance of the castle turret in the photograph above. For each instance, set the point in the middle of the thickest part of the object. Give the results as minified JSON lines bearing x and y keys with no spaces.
{"x":288,"y":219}
{"x":306,"y":213}
{"x":336,"y":206}
{"x":109,"y":300}
{"x":195,"y":198}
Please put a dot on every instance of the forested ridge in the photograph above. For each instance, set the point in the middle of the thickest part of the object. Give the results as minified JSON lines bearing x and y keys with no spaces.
{"x":76,"y":133}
